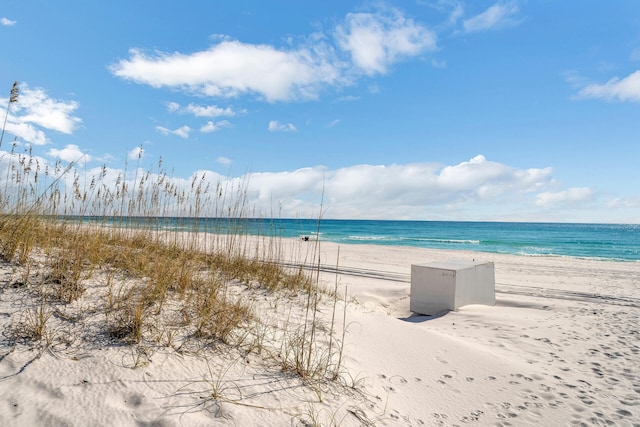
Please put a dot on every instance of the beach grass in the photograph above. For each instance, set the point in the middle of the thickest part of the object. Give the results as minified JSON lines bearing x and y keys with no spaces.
{"x":98,"y":268}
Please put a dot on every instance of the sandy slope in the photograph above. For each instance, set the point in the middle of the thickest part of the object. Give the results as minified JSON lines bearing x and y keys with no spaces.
{"x":561,"y":347}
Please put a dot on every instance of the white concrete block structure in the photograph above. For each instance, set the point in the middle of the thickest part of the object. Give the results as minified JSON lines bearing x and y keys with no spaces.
{"x":448,"y":285}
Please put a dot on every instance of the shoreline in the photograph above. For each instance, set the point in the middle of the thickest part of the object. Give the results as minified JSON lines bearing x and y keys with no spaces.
{"x":616,"y":242}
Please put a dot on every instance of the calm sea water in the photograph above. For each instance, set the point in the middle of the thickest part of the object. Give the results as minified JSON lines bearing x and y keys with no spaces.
{"x":598,"y":241}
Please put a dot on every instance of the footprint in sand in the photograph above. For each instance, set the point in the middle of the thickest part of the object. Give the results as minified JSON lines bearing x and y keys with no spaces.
{"x":441,"y":360}
{"x":507,"y":415}
{"x":624,"y":412}
{"x":473,"y":416}
{"x":612,"y":381}
{"x":586,"y":399}
{"x":397,"y":380}
{"x":577,"y":408}
{"x":533,"y":404}
{"x":520,"y":376}
{"x":629,"y":400}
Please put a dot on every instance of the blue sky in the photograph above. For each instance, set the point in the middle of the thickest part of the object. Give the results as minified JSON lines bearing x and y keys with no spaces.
{"x":436,"y":110}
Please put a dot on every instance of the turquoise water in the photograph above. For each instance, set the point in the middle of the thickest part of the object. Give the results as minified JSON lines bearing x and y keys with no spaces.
{"x":601,"y":241}
{"x":617,"y":242}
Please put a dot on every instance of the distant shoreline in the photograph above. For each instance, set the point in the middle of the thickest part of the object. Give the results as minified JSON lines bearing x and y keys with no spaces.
{"x":606,"y":242}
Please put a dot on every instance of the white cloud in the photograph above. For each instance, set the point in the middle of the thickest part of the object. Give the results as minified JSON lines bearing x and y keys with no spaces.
{"x":275,"y":126}
{"x":332,"y":123}
{"x":182,"y":132}
{"x":477,"y":189}
{"x":70,"y":153}
{"x":232,"y":68}
{"x":136,"y":153}
{"x":487,"y":177}
{"x":213,"y":127}
{"x":626,"y":89}
{"x":375,"y":41}
{"x":7,"y":22}
{"x":209,"y":111}
{"x":35,"y":110}
{"x":224,"y":161}
{"x":26,"y":132}
{"x":173,"y":107}
{"x":407,"y":191}
{"x":499,"y":15}
{"x":201,"y":110}
{"x":46,"y":112}
{"x":570,"y":196}
{"x":397,"y":187}
{"x":632,"y":202}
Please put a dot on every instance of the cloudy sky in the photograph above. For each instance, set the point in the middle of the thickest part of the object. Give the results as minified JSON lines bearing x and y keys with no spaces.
{"x":523,"y":110}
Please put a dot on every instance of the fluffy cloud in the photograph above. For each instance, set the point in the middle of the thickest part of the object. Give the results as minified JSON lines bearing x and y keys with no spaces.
{"x":469,"y":190}
{"x":276,"y":126}
{"x":570,"y":196}
{"x":626,"y":89}
{"x":26,"y":132}
{"x":499,"y":15}
{"x":136,"y":153}
{"x":7,"y":22}
{"x":70,"y":153}
{"x":376,"y":41}
{"x":230,"y":68}
{"x":393,"y":191}
{"x":172,"y":107}
{"x":209,"y":111}
{"x":214,"y":127}
{"x":224,"y":161}
{"x":35,"y":111}
{"x":394,"y":188}
{"x":182,"y":132}
{"x":38,"y":108}
{"x":201,"y":110}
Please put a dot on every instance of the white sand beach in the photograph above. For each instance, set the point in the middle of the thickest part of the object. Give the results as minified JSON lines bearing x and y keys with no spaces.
{"x":560,"y":347}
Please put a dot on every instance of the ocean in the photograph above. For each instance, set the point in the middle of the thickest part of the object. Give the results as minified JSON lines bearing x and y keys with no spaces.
{"x":613,"y":242}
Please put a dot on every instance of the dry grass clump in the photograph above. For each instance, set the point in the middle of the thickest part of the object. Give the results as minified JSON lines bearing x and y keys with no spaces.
{"x":99,"y":265}
{"x":154,"y":289}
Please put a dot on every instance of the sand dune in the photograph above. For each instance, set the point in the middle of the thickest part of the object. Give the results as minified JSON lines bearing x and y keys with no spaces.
{"x":561,"y":347}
